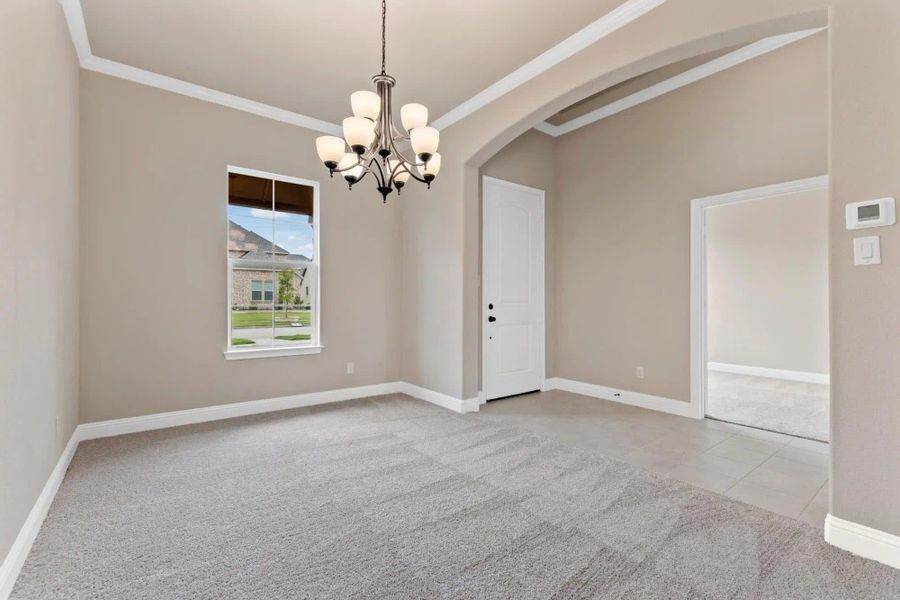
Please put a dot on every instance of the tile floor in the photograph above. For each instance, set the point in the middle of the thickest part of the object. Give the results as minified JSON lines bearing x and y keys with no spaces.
{"x":784,"y":474}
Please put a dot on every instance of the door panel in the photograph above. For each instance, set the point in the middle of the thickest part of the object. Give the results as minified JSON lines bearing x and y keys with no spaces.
{"x":513,"y":285}
{"x":515,"y":344}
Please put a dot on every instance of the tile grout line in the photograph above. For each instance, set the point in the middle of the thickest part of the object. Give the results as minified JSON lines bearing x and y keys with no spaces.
{"x":811,"y":500}
{"x":753,"y":470}
{"x":771,"y":489}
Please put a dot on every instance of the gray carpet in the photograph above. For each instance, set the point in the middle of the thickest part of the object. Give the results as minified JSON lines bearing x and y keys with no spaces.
{"x":790,"y":407}
{"x":394,"y":498}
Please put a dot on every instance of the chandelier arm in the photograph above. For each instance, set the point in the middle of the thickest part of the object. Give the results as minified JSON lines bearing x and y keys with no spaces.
{"x":396,"y":133}
{"x":411,"y":174}
{"x":403,"y":156}
{"x":379,"y":176}
{"x":394,"y":149}
{"x":367,"y":168}
{"x":336,"y":170}
{"x":361,"y":177}
{"x":400,"y":165}
{"x":408,"y":170}
{"x":417,"y":178}
{"x":369,"y":154}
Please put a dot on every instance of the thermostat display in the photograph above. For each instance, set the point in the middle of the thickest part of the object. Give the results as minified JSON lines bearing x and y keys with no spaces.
{"x":871,"y":213}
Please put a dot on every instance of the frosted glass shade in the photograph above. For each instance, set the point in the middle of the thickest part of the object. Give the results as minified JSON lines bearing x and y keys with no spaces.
{"x":424,"y":141}
{"x":430,"y":170}
{"x":330,"y":149}
{"x":401,"y":176}
{"x":359,"y":133}
{"x":365,"y":104}
{"x":354,"y":171}
{"x":413,"y":115}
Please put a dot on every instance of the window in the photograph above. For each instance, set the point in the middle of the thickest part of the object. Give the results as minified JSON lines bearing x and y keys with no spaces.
{"x":273,"y":265}
{"x":261,"y":290}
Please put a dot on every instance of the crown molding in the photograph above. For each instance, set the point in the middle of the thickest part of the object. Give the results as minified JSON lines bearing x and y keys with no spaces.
{"x":123,"y":71}
{"x":87,"y":60}
{"x":602,"y":27}
{"x":615,"y":19}
{"x":722,"y":63}
{"x":77,"y":29}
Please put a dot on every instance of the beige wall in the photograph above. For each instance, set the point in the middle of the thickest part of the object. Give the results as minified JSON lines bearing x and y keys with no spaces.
{"x":530,"y":160}
{"x":154,"y":193}
{"x":624,"y":187}
{"x":431,"y":290}
{"x":38,"y":252}
{"x":767,"y":282}
{"x":865,"y":313}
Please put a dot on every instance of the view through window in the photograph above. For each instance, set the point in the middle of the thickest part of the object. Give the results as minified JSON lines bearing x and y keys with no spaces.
{"x":272,"y":262}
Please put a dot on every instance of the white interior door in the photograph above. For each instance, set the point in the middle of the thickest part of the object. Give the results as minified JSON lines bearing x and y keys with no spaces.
{"x":513,"y":289}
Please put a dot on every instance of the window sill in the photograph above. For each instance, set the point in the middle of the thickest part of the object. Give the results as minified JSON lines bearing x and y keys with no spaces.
{"x":233,"y":354}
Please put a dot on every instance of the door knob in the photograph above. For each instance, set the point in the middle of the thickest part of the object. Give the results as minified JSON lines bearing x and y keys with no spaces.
{"x":491,"y":319}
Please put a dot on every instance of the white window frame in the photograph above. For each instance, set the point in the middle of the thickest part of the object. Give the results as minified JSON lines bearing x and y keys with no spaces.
{"x":315,"y":345}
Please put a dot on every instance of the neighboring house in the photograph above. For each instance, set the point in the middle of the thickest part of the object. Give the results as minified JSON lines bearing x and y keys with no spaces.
{"x":254,"y":286}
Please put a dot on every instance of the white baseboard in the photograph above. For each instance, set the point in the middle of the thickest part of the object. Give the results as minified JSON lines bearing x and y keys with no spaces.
{"x":802,"y":376}
{"x":863,"y":541}
{"x":667,"y":405}
{"x":100,"y":429}
{"x":15,"y":558}
{"x":460,"y":405}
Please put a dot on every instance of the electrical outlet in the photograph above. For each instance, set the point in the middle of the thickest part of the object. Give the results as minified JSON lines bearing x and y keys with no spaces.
{"x":639,"y":372}
{"x":350,"y":368}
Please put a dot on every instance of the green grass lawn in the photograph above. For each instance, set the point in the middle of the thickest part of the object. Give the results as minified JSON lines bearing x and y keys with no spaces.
{"x":293,"y":338}
{"x":241,"y":342}
{"x":263,"y":318}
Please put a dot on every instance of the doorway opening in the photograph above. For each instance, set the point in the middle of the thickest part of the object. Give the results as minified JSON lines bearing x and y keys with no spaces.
{"x":760,"y":289}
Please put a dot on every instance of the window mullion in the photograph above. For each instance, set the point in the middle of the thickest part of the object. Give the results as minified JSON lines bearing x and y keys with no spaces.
{"x":274,"y":271}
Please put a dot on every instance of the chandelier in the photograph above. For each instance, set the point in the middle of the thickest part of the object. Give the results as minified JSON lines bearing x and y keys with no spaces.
{"x":374,"y":139}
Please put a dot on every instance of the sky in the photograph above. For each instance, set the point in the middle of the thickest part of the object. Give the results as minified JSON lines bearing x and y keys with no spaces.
{"x":292,"y":232}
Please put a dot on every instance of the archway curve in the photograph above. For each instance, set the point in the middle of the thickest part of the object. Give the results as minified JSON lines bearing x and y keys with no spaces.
{"x":484,"y":137}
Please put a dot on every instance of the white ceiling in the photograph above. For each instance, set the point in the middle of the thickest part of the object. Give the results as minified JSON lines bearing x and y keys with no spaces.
{"x":307,"y":56}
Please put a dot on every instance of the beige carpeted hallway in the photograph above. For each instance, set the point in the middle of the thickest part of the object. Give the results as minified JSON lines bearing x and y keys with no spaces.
{"x":390,"y":497}
{"x":790,"y":407}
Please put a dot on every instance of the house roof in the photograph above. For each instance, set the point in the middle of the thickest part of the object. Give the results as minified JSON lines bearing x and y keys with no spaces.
{"x":253,"y":245}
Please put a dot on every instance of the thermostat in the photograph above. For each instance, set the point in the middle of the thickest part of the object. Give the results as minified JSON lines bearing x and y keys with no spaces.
{"x":871,"y":213}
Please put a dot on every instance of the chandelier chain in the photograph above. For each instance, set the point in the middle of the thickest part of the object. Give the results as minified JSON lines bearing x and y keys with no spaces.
{"x":383,"y":34}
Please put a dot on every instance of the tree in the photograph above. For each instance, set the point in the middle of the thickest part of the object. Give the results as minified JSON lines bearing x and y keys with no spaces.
{"x":286,"y":291}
